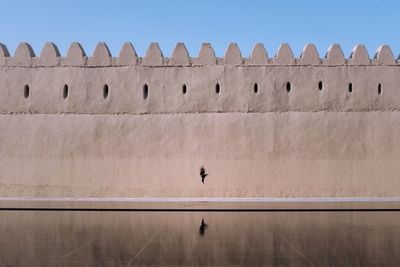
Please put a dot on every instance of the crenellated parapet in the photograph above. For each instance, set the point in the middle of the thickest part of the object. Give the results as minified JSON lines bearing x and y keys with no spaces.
{"x":50,"y":56}
{"x":152,"y":83}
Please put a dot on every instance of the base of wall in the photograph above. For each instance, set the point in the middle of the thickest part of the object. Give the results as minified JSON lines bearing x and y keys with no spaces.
{"x":201,"y":204}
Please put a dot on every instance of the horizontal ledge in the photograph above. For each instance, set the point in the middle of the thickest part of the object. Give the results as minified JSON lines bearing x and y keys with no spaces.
{"x":205,"y":199}
{"x":194,"y":112}
{"x":202,"y":204}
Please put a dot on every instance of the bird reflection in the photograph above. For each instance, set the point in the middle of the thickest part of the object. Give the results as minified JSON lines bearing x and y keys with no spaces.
{"x":203,"y":227}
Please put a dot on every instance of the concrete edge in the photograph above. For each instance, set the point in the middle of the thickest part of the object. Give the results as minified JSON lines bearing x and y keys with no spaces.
{"x":202,"y":204}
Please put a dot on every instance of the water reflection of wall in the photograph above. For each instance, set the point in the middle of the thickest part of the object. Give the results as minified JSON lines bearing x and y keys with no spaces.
{"x":294,"y":239}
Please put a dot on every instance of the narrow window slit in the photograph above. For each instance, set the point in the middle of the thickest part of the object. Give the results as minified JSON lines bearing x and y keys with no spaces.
{"x":255,"y":88}
{"x":184,"y":89}
{"x":320,"y":85}
{"x":217,"y":88}
{"x":379,"y":89}
{"x":65,"y":91}
{"x":350,"y":87}
{"x":105,"y":91}
{"x":26,"y":91}
{"x":288,"y":87}
{"x":145,"y":91}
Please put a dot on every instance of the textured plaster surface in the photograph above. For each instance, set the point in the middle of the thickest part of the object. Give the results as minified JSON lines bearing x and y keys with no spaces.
{"x":288,"y":154}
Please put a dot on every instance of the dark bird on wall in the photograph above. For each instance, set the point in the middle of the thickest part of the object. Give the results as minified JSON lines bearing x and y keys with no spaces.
{"x":203,"y":174}
{"x":203,"y":227}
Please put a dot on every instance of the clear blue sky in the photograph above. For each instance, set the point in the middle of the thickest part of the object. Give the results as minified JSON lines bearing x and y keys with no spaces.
{"x":219,"y":22}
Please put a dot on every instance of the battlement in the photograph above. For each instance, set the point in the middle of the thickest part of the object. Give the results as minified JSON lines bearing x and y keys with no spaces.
{"x":128,"y":84}
{"x":50,"y":56}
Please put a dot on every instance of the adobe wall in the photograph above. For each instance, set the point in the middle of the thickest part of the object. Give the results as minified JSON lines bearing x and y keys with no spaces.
{"x":278,"y":127}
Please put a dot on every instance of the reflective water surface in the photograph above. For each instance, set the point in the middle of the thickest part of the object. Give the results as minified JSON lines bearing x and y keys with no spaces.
{"x":91,"y":238}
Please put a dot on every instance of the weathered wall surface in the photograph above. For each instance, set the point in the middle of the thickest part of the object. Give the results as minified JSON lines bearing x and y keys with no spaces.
{"x":101,"y":126}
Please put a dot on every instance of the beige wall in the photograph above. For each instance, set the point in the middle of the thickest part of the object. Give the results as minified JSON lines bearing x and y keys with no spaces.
{"x":305,"y":143}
